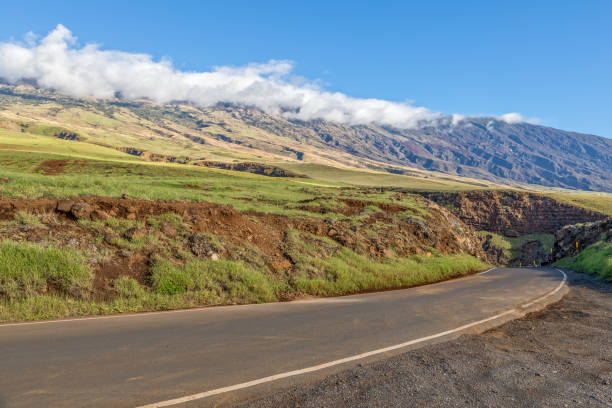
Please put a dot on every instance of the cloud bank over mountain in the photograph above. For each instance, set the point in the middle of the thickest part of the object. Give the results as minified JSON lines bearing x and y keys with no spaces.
{"x":56,"y":62}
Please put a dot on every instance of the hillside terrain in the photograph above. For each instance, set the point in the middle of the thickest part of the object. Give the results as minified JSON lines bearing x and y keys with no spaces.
{"x":114,"y":206}
{"x":474,"y":148}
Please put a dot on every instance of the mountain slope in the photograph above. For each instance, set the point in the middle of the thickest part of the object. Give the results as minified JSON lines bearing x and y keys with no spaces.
{"x":483,"y":148}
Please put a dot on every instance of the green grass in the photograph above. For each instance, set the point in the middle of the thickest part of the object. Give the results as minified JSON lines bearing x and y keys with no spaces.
{"x":160,"y":181}
{"x":596,"y":259}
{"x":594,"y":201}
{"x":28,"y":269}
{"x":221,"y":281}
{"x":340,"y":271}
{"x":30,"y":142}
{"x":44,"y":283}
{"x":512,"y":245}
{"x":429,"y":182}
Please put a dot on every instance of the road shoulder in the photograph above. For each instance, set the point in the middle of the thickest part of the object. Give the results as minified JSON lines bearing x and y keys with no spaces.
{"x":554,"y":357}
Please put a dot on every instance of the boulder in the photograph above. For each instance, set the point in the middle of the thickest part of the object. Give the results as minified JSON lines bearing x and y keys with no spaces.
{"x":81,"y":211}
{"x":202,"y":245}
{"x":64,"y":205}
{"x":99,"y":215}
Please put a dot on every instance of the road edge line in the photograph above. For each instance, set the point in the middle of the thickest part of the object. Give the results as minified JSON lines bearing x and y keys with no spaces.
{"x":487,"y":271}
{"x":519,"y":311}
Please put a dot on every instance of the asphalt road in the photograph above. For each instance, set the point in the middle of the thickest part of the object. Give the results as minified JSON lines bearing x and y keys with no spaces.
{"x":134,"y":360}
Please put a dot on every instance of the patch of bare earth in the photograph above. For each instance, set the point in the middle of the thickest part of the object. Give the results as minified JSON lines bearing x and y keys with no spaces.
{"x":558,"y":357}
{"x":57,"y":167}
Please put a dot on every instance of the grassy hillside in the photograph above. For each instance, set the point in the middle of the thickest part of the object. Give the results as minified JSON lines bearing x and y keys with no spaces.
{"x":339,"y":238}
{"x":477,"y":148}
{"x":594,"y":201}
{"x":249,"y":238}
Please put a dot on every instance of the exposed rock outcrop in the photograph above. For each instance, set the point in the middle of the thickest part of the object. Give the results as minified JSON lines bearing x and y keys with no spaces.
{"x":572,"y":239}
{"x":150,"y":156}
{"x":255,"y":168}
{"x":512,"y":213}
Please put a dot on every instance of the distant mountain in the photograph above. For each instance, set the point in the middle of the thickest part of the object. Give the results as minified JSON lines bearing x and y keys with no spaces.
{"x":484,"y":148}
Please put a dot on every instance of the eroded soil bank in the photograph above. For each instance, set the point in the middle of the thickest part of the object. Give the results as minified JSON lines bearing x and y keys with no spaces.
{"x":126,"y":237}
{"x":558,"y":357}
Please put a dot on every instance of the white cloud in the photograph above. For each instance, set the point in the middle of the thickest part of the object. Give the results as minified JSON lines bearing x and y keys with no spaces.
{"x":512,"y":117}
{"x":56,"y":62}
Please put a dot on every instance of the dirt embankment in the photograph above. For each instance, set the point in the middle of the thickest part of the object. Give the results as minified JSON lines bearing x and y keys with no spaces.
{"x":208,"y":230}
{"x":512,"y":213}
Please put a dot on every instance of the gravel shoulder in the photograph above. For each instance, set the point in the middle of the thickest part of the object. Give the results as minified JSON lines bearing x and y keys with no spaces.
{"x":558,"y":357}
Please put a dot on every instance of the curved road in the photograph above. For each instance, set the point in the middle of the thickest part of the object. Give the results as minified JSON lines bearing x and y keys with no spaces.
{"x":169,"y":358}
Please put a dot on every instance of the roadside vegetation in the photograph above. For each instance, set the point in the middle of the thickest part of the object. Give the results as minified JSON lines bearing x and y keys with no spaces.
{"x":48,"y":282}
{"x":514,"y":249}
{"x":596,"y":259}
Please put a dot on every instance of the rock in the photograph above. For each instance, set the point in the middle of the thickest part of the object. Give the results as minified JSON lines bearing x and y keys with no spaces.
{"x":99,"y":215}
{"x":583,"y":234}
{"x":131,"y":216}
{"x":81,"y":211}
{"x":201,"y":245}
{"x":64,"y":205}
{"x":135,"y":233}
{"x":168,"y":229}
{"x":214,"y":256}
{"x":332,"y":232}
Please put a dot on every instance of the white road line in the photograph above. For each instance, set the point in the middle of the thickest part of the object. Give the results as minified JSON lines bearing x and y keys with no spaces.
{"x":126,"y":315}
{"x":342,"y":299}
{"x":487,"y":271}
{"x":551,"y":293}
{"x":307,"y":370}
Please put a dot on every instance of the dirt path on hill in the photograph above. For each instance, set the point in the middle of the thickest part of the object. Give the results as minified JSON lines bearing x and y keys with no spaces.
{"x":558,"y":357}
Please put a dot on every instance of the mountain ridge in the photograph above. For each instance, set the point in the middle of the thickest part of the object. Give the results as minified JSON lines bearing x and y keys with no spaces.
{"x":476,"y":147}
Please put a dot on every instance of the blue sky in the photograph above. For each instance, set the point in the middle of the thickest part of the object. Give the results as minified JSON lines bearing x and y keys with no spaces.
{"x":547,"y":60}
